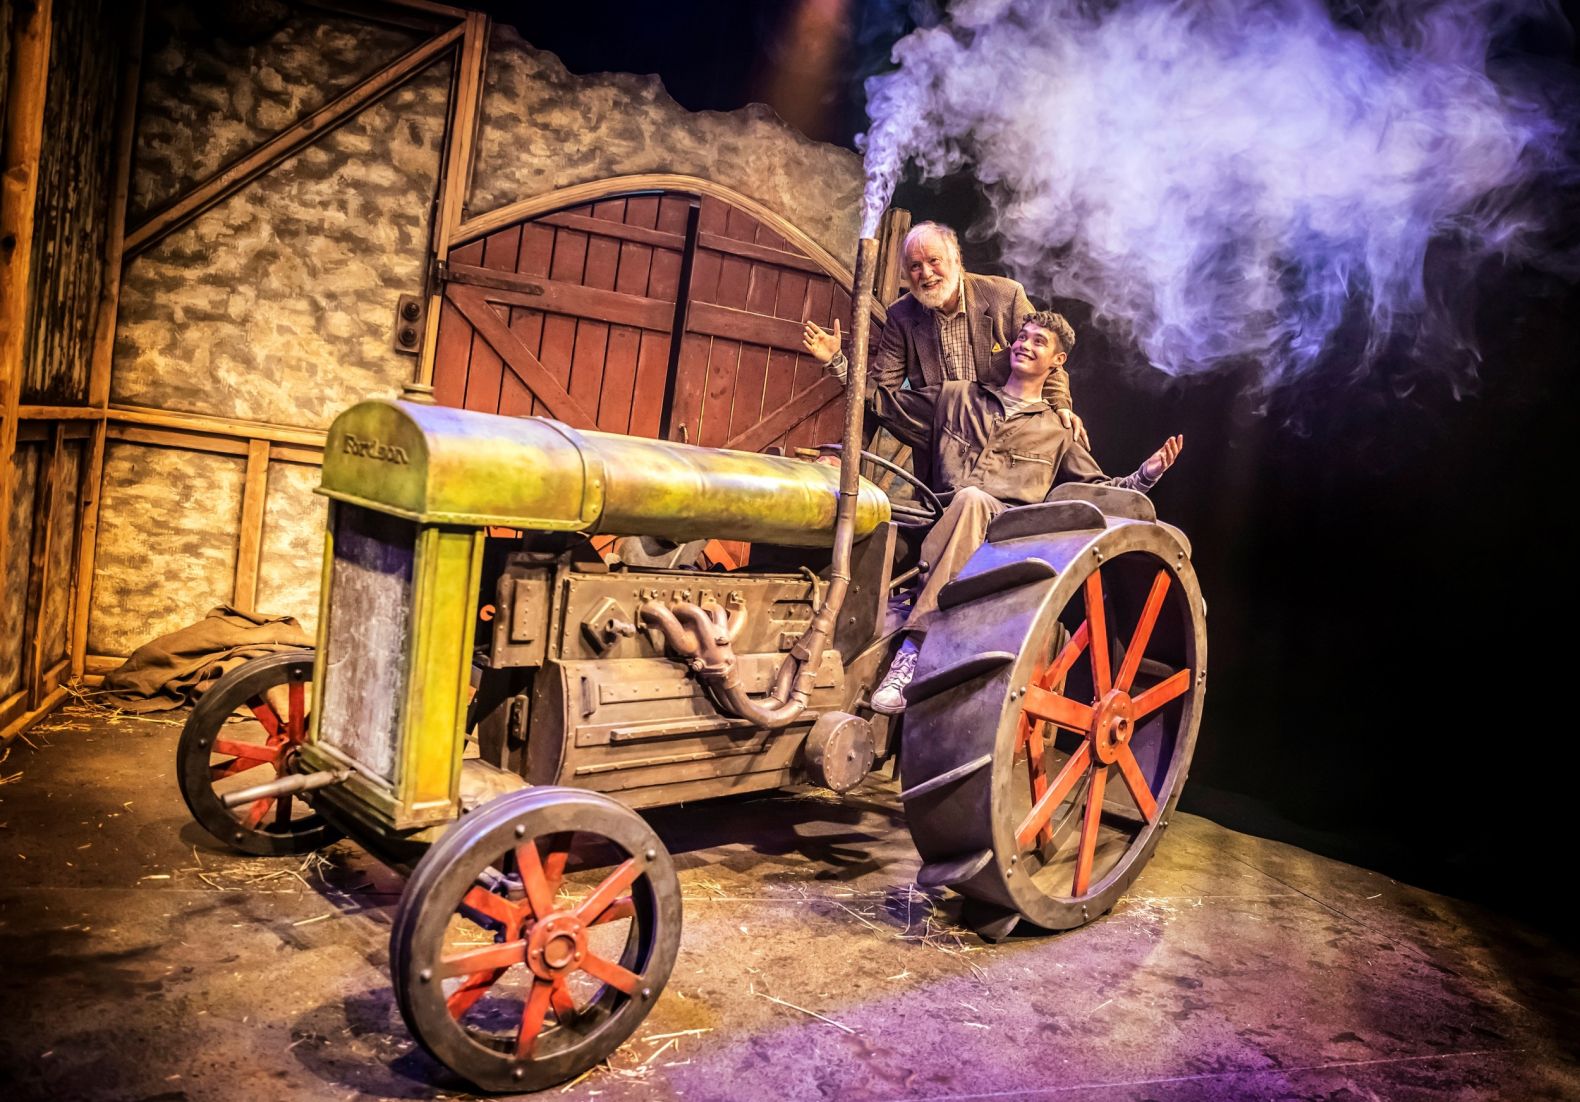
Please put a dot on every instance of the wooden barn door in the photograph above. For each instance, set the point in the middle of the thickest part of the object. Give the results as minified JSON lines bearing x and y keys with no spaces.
{"x":662,"y":315}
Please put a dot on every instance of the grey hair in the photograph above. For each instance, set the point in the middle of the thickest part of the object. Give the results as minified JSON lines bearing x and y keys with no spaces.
{"x":922,"y":229}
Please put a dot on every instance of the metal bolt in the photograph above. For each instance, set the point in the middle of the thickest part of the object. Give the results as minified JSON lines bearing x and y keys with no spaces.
{"x":519,"y":1073}
{"x":579,"y":954}
{"x":650,"y":854}
{"x":647,"y":992}
{"x":425,"y":975}
{"x":203,"y":743}
{"x":1084,"y":915}
{"x":521,"y":830}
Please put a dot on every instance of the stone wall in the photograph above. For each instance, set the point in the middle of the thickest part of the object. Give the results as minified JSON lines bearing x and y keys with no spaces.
{"x":277,"y":305}
{"x":544,"y":128}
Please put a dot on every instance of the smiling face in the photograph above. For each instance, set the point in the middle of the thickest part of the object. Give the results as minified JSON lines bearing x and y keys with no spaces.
{"x":1035,"y":353}
{"x":932,"y":268}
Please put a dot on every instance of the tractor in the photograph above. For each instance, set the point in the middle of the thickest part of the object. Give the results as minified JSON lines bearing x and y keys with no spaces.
{"x":491,"y":701}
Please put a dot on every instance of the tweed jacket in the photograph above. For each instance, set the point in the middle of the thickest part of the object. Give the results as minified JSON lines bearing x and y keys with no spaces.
{"x":910,"y":349}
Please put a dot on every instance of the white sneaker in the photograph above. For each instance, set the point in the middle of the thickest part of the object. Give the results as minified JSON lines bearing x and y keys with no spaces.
{"x":889,"y":697}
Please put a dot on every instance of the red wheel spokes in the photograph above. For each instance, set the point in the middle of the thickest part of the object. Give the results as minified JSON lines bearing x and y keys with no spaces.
{"x":532,"y":1015}
{"x":1042,"y":811}
{"x":613,"y":886}
{"x":611,"y":973}
{"x":266,"y":716}
{"x":1089,"y":825}
{"x":1161,"y":693}
{"x":1044,"y":701}
{"x":254,"y":752}
{"x":1098,"y":621}
{"x":1143,"y":635}
{"x":482,"y":959}
{"x":1056,"y":709}
{"x":540,"y":878}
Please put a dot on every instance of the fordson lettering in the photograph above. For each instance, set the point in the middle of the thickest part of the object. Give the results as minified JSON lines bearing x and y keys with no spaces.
{"x":375,"y":449}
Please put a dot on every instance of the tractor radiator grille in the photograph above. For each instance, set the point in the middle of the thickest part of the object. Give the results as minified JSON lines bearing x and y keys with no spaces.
{"x":364,"y":665}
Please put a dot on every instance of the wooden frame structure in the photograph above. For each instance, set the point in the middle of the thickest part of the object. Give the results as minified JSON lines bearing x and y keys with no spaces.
{"x":453,"y":33}
{"x":87,"y":423}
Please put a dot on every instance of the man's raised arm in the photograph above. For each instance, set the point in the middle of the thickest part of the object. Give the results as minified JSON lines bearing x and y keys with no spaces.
{"x":907,"y":413}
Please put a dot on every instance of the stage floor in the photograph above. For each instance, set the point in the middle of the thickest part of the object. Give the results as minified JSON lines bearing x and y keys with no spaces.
{"x":140,"y":961}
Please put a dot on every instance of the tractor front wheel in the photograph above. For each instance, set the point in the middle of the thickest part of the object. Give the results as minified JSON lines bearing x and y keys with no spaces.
{"x":534,"y":937}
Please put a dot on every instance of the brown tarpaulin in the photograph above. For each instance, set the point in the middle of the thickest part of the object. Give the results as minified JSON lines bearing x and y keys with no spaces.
{"x":178,"y":668}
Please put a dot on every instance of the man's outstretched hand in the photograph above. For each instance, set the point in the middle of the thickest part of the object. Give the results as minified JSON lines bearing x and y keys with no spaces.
{"x":820,"y":344}
{"x":1077,"y":427}
{"x":1162,"y":459}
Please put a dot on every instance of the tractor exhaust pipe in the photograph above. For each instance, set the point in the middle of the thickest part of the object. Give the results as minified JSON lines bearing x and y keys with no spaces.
{"x":705,"y":642}
{"x":808,"y":651}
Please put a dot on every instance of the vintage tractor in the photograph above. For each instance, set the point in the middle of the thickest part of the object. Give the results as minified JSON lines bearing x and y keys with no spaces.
{"x":488,"y":710}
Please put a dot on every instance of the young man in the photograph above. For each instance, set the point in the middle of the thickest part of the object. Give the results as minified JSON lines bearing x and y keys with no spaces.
{"x":953,"y":326}
{"x":994,"y":447}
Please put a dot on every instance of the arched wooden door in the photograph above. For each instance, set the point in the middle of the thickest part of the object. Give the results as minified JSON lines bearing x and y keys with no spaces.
{"x":662,"y":314}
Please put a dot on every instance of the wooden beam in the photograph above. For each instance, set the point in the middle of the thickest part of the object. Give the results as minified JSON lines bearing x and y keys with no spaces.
{"x":49,"y":497}
{"x":59,"y":413}
{"x":222,"y":426}
{"x":761,"y":253}
{"x":577,"y":195}
{"x":182,"y":439}
{"x":19,"y":721}
{"x":104,"y":337}
{"x":287,"y":142}
{"x":804,"y":405}
{"x":742,"y":325}
{"x":455,"y":177}
{"x":249,"y":552}
{"x":559,"y":297}
{"x":519,"y":358}
{"x":23,"y":128}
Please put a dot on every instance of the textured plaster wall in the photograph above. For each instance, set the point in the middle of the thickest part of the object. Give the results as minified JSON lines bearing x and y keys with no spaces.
{"x":209,"y":97}
{"x":278,"y":304}
{"x":293,"y":544}
{"x":167,"y":543}
{"x":62,"y":557}
{"x":544,"y":128}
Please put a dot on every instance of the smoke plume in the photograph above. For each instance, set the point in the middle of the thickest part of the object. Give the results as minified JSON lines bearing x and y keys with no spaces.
{"x":1226,"y":180}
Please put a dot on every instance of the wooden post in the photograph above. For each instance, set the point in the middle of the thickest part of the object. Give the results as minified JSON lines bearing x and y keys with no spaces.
{"x":249,"y":551}
{"x":49,"y":499}
{"x":891,"y":234}
{"x":104,"y":340}
{"x":466,"y":101}
{"x":24,"y":139}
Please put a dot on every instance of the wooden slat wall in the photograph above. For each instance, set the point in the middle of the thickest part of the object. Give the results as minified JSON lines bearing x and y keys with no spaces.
{"x":73,"y":207}
{"x":740,"y":361}
{"x":572,"y":314}
{"x":567,"y":316}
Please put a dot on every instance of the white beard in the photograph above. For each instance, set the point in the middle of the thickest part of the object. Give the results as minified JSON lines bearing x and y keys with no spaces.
{"x":936,"y":299}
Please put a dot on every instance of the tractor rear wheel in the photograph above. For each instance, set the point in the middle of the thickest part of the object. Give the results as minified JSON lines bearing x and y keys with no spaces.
{"x":1051,"y":723}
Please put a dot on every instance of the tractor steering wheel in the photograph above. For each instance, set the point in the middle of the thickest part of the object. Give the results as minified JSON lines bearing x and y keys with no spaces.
{"x":921,"y":512}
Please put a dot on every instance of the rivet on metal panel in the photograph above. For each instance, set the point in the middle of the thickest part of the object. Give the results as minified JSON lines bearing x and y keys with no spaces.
{"x":521,"y":830}
{"x":425,"y":975}
{"x":651,"y":854}
{"x":647,"y":992}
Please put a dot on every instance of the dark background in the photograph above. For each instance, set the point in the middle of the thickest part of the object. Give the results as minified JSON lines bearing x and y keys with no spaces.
{"x":1389,"y":565}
